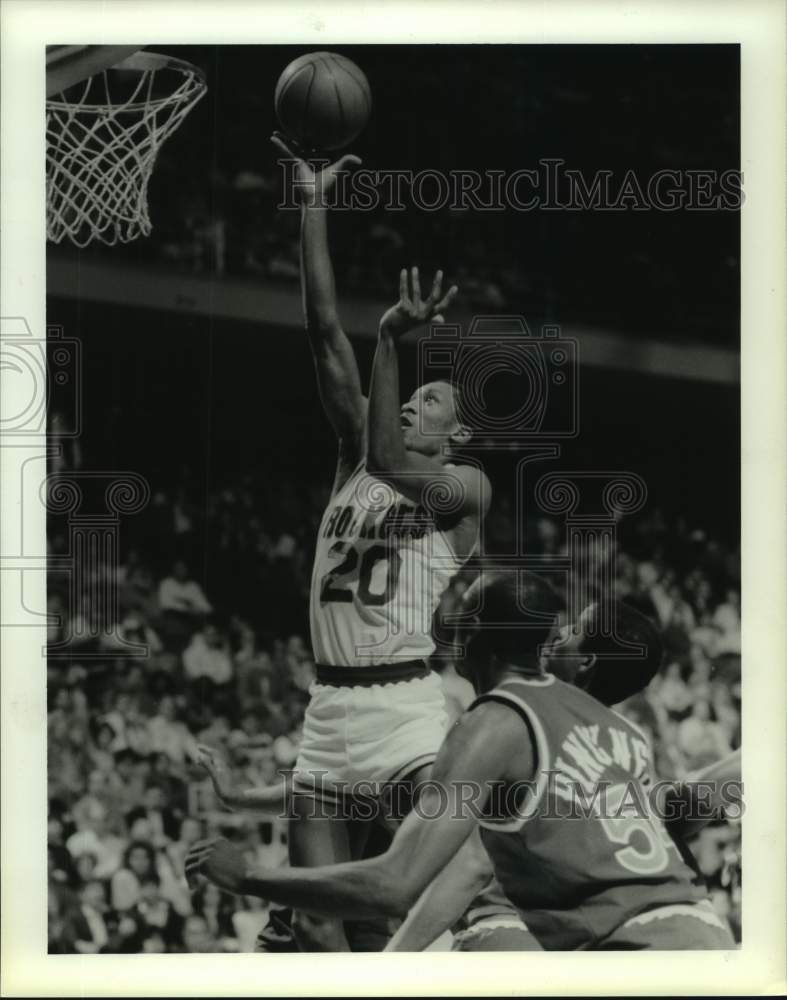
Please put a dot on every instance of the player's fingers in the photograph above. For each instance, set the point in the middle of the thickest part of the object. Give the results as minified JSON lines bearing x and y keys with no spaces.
{"x":447,"y":299}
{"x":348,"y":162}
{"x":404,"y":294}
{"x":282,"y":146}
{"x":438,"y":318}
{"x":416,"y":282}
{"x":437,"y":286}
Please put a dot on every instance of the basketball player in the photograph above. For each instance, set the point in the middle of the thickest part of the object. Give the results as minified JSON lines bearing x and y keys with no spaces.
{"x":469,"y":900}
{"x":383,"y":557}
{"x":607,"y":878}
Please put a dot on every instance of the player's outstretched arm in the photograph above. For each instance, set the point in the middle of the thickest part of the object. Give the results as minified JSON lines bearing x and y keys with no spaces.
{"x":462,"y":488}
{"x":270,"y":801}
{"x":446,"y":900}
{"x":338,"y":377}
{"x":476,"y":753}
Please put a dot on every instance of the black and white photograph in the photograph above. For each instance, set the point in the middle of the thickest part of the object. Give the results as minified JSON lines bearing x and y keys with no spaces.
{"x":386,"y":586}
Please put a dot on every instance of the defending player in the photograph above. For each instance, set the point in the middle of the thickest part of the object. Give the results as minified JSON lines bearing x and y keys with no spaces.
{"x":470,"y":902}
{"x":608,"y":878}
{"x":383,"y":556}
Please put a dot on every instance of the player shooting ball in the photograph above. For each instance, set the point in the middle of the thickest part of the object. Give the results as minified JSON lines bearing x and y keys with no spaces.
{"x":384,"y":553}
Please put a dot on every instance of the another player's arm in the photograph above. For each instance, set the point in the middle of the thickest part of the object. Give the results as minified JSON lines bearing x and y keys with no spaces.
{"x":446,"y":900}
{"x":338,"y":378}
{"x":693,"y":803}
{"x":271,"y":800}
{"x":386,"y":456}
{"x":476,"y":753}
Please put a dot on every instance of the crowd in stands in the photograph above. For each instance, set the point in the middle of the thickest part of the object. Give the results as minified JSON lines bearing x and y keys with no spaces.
{"x":218,"y":598}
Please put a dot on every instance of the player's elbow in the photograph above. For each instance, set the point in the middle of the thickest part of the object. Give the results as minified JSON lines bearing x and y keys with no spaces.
{"x":398,"y":901}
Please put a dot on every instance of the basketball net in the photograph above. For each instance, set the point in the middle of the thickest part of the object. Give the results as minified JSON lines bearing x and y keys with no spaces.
{"x":103,"y":137}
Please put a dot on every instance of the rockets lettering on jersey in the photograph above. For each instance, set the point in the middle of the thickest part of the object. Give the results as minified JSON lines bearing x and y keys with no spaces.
{"x":399,"y":519}
{"x":381,"y":564}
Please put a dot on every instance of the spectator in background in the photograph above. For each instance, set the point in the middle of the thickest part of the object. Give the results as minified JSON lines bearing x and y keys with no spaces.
{"x":700,"y":738}
{"x":161,"y":819}
{"x":168,"y":735}
{"x":155,"y":914}
{"x":216,"y":909}
{"x":249,"y":921}
{"x":208,"y":656}
{"x":727,"y":619}
{"x":197,"y":938}
{"x":182,"y":594}
{"x":673,"y":693}
{"x":129,"y":724}
{"x":139,"y":865}
{"x":183,"y":606}
{"x":174,"y":787}
{"x":93,"y":837}
{"x":190,"y":832}
{"x":88,"y":927}
{"x":60,"y":862}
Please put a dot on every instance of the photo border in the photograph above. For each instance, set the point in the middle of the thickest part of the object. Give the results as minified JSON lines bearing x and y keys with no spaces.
{"x":758,"y":966}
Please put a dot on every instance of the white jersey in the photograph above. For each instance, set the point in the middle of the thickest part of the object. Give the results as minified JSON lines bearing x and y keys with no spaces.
{"x":380,"y":567}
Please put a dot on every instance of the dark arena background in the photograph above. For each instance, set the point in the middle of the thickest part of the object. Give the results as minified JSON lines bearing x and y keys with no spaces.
{"x":196,"y":375}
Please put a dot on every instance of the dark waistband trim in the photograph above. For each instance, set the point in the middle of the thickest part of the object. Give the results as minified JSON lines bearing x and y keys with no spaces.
{"x":383,"y":673}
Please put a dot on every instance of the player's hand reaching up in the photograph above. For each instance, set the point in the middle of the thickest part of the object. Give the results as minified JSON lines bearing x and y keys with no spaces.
{"x":219,"y":862}
{"x":218,"y":772}
{"x":310,"y":184}
{"x":411,"y":310}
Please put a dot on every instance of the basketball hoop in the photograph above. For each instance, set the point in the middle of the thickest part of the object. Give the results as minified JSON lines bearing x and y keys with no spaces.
{"x":103,"y":137}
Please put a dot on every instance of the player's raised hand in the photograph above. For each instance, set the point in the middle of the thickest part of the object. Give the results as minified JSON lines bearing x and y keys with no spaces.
{"x":216,"y":767}
{"x":311,"y":184}
{"x":411,"y":310}
{"x":219,"y":862}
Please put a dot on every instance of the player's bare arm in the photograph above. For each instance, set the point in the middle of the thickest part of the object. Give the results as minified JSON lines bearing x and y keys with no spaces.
{"x":489,"y":744}
{"x":338,"y":378}
{"x":270,"y":800}
{"x":446,"y":900}
{"x":408,"y":470}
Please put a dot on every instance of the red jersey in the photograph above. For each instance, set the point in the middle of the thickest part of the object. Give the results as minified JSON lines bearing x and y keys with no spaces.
{"x":578,"y":851}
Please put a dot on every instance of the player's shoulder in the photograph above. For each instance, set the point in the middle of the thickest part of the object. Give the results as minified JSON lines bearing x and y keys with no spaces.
{"x":635,"y":726}
{"x":485,"y":716}
{"x":473,"y":481}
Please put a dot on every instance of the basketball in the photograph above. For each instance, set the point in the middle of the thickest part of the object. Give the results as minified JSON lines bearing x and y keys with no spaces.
{"x":323,"y":100}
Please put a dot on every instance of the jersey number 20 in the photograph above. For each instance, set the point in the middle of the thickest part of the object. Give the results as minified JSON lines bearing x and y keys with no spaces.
{"x":335,"y":583}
